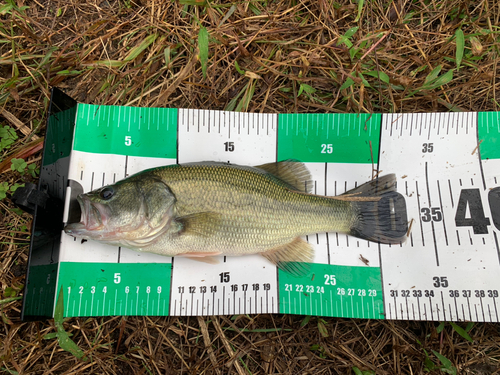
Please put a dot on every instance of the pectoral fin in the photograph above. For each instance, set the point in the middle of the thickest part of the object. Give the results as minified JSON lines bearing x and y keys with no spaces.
{"x":294,"y":257}
{"x":202,"y":223}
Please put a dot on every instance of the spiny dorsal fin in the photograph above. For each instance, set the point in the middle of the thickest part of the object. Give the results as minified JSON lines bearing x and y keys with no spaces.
{"x":294,"y":257}
{"x":293,"y":172}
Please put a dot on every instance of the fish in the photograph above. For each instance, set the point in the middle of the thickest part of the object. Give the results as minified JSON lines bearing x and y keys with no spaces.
{"x":206,"y":209}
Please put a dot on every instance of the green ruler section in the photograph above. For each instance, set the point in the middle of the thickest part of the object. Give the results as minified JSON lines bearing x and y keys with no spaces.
{"x":489,"y":134}
{"x":132,"y":131}
{"x":100,"y":289}
{"x":59,"y":135}
{"x":329,"y":138}
{"x":329,"y":290}
{"x":41,"y":290}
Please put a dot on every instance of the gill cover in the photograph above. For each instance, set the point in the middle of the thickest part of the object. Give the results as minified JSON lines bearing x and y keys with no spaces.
{"x":132,"y":213}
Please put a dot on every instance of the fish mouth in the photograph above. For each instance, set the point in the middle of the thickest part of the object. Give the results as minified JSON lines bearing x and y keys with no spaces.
{"x":93,"y":218}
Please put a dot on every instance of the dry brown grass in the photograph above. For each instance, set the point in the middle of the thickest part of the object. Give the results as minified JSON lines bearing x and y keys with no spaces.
{"x":260,"y":55}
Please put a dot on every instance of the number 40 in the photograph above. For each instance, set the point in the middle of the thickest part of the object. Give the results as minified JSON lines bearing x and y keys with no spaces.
{"x":477,"y":220}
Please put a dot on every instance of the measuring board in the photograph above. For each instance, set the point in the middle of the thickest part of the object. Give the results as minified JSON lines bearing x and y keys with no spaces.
{"x":448,"y":171}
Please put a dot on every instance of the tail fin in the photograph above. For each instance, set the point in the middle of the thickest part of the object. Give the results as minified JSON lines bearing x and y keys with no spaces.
{"x":383,"y":219}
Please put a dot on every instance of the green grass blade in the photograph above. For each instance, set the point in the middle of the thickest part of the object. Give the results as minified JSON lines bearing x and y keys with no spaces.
{"x":383,"y":77}
{"x":351,"y":31}
{"x":10,"y":371}
{"x":305,"y":321}
{"x":62,"y":336}
{"x":203,"y":48}
{"x":360,"y":9}
{"x":460,"y":42}
{"x":6,"y":8}
{"x":461,"y":332}
{"x":363,"y":79}
{"x":447,"y":365}
{"x":440,"y":327}
{"x":167,"y":54}
{"x":69,"y":345}
{"x":442,"y":80}
{"x":348,"y":83}
{"x":136,"y":51}
{"x":433,"y":75}
{"x":8,"y":300}
{"x":232,"y":103}
{"x":228,"y":14}
{"x":322,"y":328}
{"x":238,"y":69}
{"x":245,"y":100}
{"x":193,"y":2}
{"x":345,"y":38}
{"x":59,"y":310}
{"x":108,"y":63}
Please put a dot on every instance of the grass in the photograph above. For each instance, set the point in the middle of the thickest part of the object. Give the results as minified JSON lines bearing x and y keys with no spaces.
{"x":261,"y":56}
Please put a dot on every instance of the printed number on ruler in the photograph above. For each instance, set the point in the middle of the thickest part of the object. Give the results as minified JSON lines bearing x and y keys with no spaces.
{"x":201,"y":290}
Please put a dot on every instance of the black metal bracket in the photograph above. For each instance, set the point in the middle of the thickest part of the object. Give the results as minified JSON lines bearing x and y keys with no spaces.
{"x":27,"y":197}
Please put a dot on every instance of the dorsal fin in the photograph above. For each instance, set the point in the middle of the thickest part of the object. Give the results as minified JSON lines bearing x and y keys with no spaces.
{"x":292,"y":172}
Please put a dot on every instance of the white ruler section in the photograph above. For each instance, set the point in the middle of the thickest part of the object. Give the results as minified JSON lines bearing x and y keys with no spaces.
{"x":93,"y":171}
{"x":236,"y":285}
{"x":445,"y":271}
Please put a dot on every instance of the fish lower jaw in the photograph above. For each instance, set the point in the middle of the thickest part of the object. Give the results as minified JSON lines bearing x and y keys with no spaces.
{"x":80,"y":230}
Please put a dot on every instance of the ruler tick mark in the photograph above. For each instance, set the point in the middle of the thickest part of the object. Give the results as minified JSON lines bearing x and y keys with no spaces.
{"x":482,"y":308}
{"x":451,"y":194}
{"x":495,"y":305}
{"x":442,"y":212}
{"x":419,"y":216}
{"x":496,"y":244}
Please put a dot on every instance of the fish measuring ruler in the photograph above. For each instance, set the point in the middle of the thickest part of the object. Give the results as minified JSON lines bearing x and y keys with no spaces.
{"x":447,"y":165}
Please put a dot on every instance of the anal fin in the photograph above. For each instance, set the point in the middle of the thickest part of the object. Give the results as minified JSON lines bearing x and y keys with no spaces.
{"x":294,"y":257}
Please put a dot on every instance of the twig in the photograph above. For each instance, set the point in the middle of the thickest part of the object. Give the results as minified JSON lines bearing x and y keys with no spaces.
{"x":17,"y":123}
{"x":227,"y":346}
{"x":208,"y":344}
{"x":374,"y":46}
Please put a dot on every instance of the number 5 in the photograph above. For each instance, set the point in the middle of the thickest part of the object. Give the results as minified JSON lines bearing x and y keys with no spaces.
{"x":117,"y":278}
{"x":128,"y":140}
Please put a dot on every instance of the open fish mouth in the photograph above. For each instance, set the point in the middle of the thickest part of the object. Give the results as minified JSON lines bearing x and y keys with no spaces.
{"x":92,"y":218}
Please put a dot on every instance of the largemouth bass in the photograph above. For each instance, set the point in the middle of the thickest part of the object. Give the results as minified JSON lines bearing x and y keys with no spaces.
{"x":207,"y":209}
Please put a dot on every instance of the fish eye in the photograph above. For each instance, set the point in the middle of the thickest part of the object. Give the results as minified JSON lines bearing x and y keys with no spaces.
{"x":107,"y":193}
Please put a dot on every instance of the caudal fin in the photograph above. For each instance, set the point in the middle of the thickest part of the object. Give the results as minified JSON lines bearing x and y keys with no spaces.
{"x":380,"y":211}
